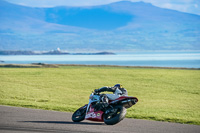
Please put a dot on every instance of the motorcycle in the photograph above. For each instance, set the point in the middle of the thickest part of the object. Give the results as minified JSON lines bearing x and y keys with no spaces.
{"x":96,"y":111}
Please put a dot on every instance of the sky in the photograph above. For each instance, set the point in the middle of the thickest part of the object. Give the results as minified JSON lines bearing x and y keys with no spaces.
{"x":188,"y":6}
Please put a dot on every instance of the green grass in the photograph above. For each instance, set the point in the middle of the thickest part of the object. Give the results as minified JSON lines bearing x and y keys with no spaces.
{"x":164,"y":94}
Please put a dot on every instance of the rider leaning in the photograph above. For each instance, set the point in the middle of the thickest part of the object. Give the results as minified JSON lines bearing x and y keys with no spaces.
{"x":117,"y":90}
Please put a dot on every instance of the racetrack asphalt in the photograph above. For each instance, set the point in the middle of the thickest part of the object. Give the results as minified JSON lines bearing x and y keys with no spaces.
{"x":22,"y":120}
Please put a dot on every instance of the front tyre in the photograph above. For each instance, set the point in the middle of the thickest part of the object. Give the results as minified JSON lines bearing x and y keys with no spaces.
{"x":79,"y":115}
{"x":115,"y":116}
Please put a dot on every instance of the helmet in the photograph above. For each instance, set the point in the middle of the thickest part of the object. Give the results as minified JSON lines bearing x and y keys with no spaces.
{"x":118,"y":86}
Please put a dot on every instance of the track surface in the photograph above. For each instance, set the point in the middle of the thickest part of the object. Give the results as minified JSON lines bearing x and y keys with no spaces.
{"x":21,"y":120}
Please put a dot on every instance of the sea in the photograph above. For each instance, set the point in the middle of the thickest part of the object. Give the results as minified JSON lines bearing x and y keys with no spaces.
{"x":151,"y":59}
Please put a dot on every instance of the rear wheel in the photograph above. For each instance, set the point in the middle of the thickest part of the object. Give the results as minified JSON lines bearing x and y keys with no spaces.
{"x":117,"y":114}
{"x":79,"y":115}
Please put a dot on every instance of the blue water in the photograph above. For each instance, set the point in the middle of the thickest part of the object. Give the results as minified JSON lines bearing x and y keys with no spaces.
{"x":158,"y":59}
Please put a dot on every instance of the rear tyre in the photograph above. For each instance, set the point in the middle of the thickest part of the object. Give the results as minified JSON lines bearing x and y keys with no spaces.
{"x":79,"y":115}
{"x":115,"y":116}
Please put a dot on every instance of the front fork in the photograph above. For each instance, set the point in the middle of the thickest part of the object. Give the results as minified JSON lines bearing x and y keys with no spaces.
{"x":88,"y":106}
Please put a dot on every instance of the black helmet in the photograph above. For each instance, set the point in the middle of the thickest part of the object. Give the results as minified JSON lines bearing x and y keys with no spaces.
{"x":118,"y":86}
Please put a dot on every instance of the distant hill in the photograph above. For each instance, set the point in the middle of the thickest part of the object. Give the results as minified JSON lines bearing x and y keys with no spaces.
{"x":52,"y":52}
{"x":113,"y":27}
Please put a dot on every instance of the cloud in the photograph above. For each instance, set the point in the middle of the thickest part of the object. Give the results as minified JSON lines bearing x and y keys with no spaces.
{"x":189,"y":6}
{"x":51,"y":3}
{"x":183,"y":8}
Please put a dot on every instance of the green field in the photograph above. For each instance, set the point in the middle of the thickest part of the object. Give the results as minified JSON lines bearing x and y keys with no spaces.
{"x":164,"y":94}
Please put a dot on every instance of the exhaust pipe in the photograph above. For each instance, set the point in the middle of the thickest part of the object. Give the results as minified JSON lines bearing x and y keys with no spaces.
{"x":129,"y":102}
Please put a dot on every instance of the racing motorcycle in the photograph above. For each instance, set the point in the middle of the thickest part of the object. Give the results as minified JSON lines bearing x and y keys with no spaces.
{"x":96,"y":111}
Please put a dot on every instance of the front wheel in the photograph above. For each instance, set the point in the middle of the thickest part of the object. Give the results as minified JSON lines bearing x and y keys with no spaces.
{"x":117,"y":114}
{"x":79,"y":115}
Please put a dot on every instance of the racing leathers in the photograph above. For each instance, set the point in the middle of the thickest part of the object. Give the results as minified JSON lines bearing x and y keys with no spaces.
{"x":117,"y":92}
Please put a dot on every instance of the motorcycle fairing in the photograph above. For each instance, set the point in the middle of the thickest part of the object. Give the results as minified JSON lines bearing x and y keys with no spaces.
{"x":91,"y":114}
{"x":122,"y":98}
{"x":94,"y":115}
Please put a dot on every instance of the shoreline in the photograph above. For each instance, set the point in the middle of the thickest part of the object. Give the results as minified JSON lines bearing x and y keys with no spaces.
{"x":44,"y":65}
{"x":53,"y":52}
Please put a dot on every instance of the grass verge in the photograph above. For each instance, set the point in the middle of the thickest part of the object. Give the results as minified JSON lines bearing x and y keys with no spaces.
{"x":164,"y":94}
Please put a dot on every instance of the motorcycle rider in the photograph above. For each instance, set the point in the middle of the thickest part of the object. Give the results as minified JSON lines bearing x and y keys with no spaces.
{"x":117,"y":90}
